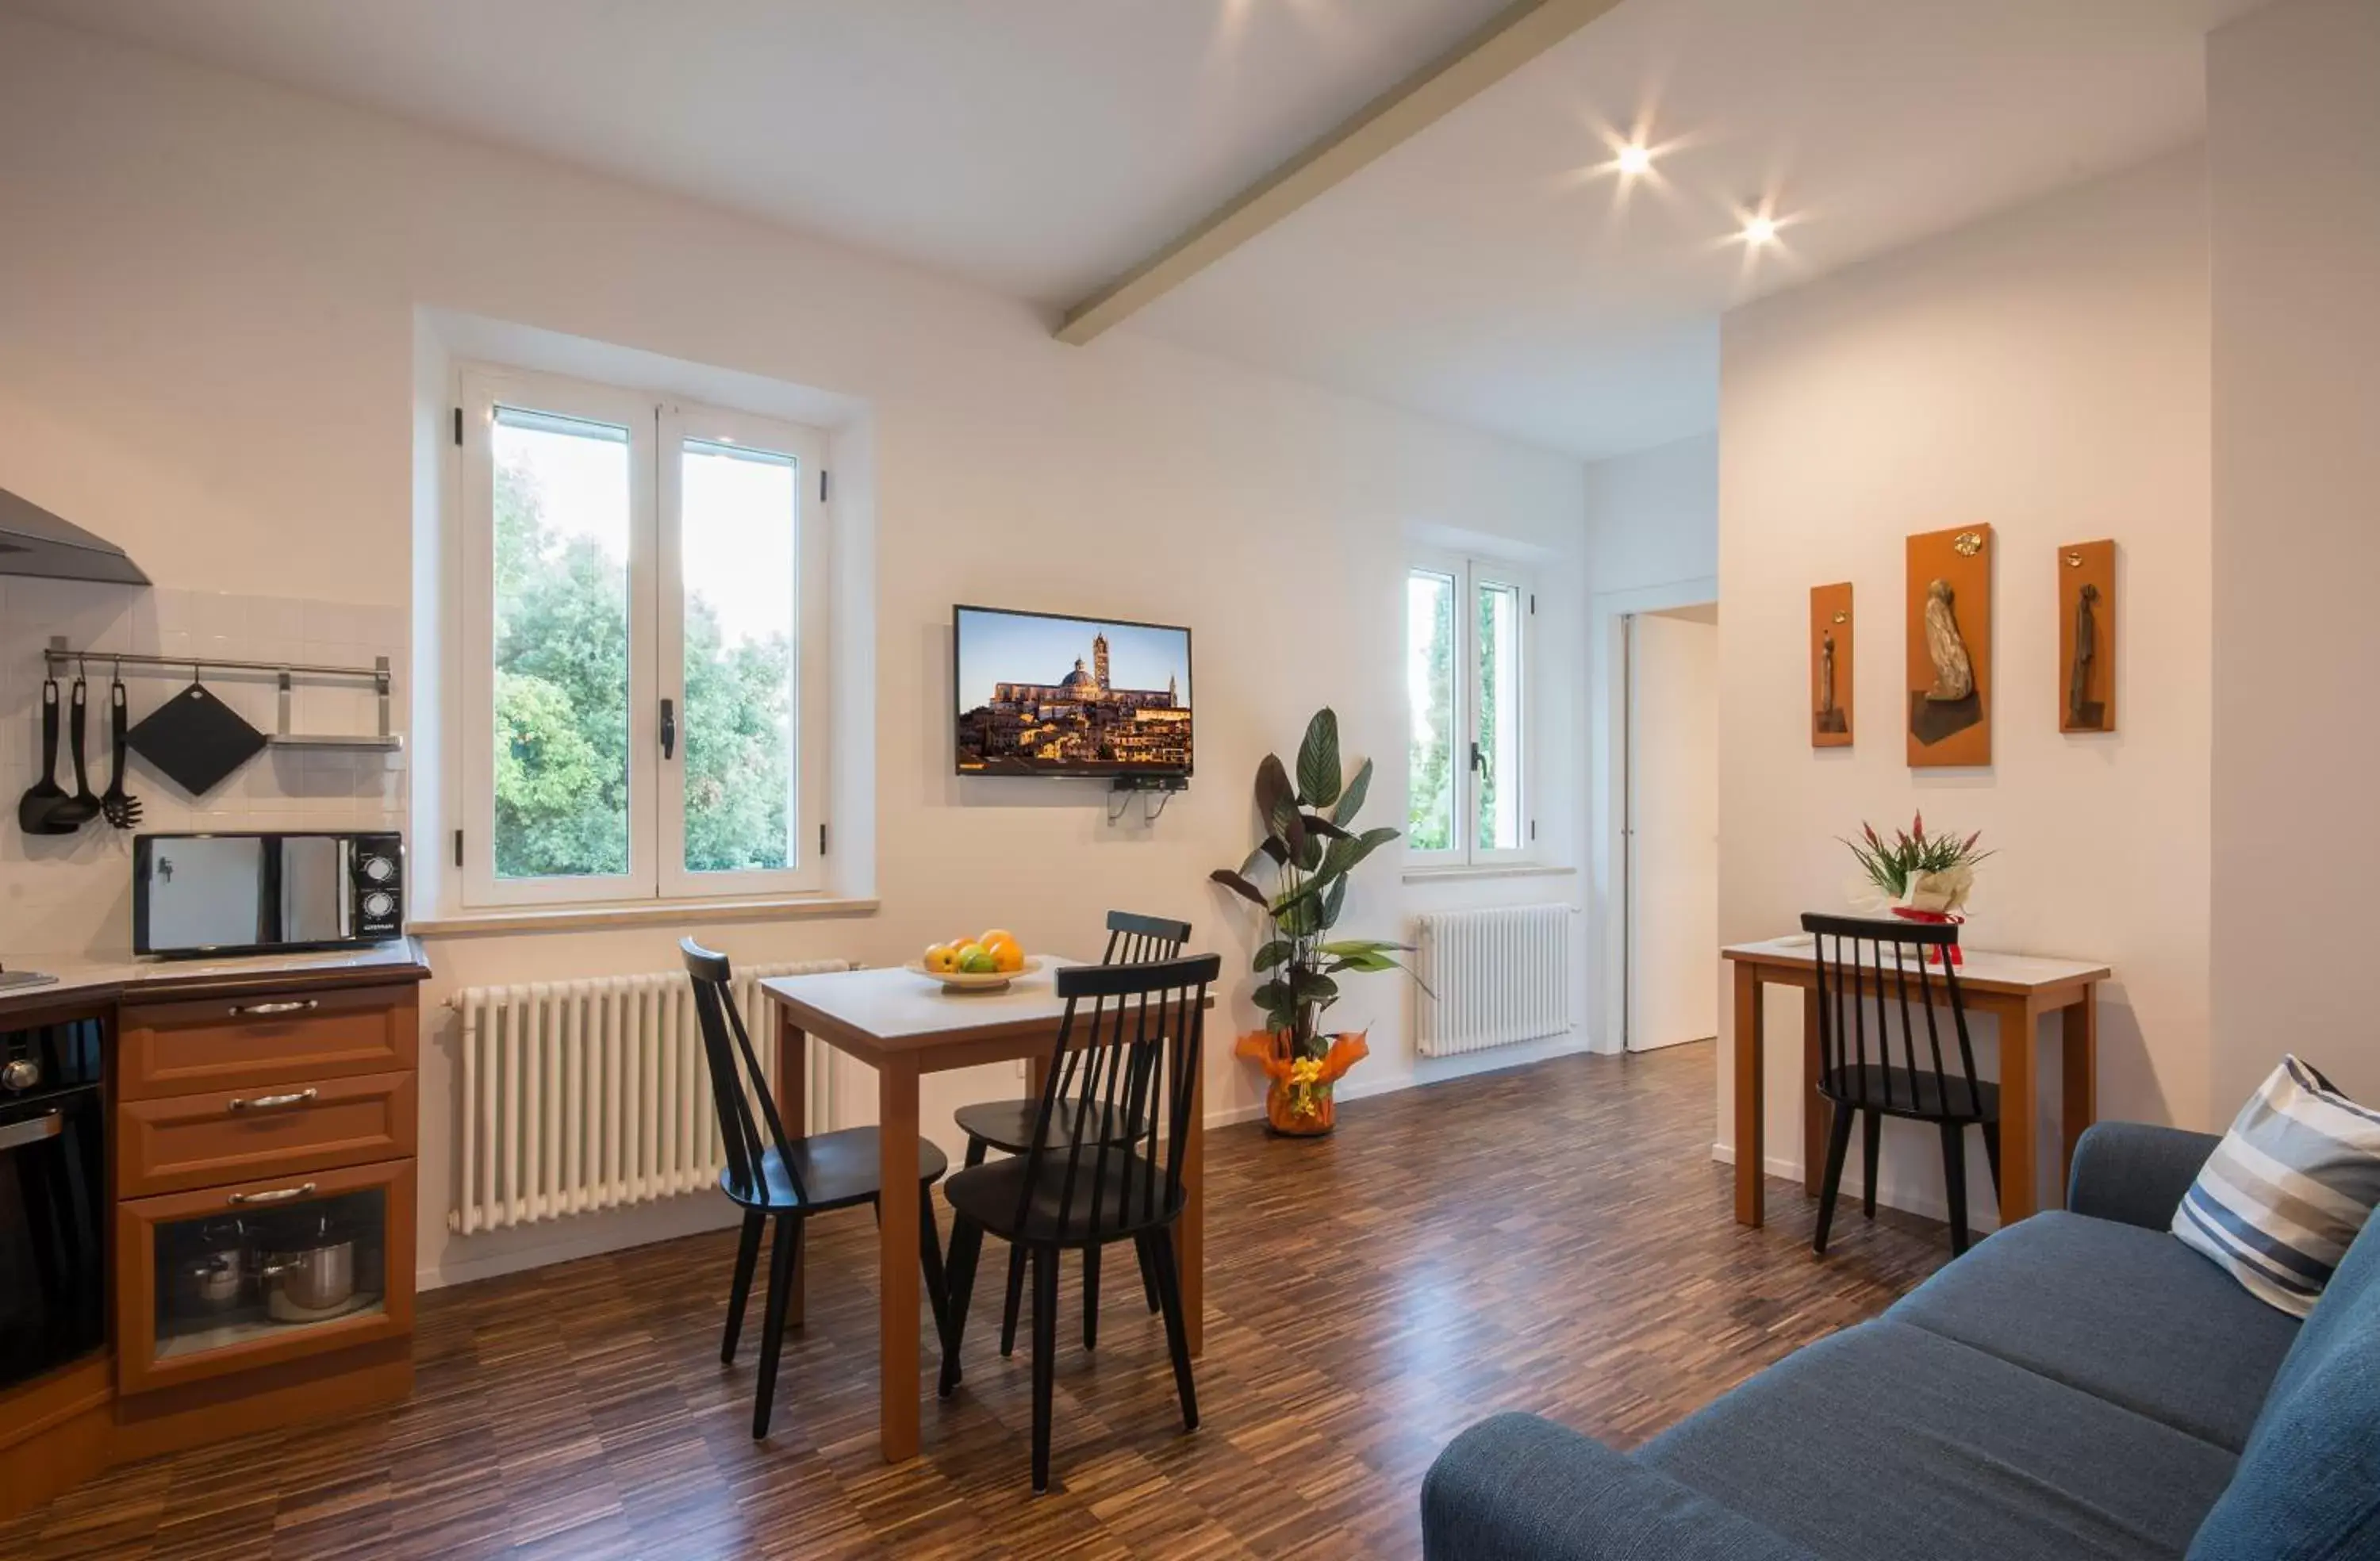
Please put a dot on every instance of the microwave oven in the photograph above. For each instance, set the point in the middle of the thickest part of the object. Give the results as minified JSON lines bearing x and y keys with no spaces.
{"x":266,"y":892}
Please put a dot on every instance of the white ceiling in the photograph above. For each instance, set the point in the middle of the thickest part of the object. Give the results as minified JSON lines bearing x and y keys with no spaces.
{"x":1496,"y":270}
{"x":1487,"y":271}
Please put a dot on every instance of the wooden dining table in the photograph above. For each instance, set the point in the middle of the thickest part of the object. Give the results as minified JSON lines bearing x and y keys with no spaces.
{"x":2018,"y":990}
{"x":906,"y":1026}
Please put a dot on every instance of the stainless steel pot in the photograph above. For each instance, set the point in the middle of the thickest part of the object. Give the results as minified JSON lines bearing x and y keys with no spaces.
{"x":213,"y":1279}
{"x":316,"y":1273}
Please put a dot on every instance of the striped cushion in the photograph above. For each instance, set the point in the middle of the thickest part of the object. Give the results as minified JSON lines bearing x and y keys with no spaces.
{"x":2288,"y":1188}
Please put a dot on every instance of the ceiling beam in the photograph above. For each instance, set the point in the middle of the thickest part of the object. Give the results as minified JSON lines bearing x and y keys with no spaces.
{"x":1517,"y":35}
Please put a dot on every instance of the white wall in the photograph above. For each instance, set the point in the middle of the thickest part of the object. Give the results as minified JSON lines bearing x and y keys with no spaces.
{"x":73,"y":893}
{"x":1652,"y":542}
{"x":208,"y":353}
{"x":2045,"y":371}
{"x":2294,"y":156}
{"x":1652,"y":517}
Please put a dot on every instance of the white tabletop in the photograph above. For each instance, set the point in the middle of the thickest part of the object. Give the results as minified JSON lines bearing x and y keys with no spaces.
{"x":1980,"y":967}
{"x":897,"y":1004}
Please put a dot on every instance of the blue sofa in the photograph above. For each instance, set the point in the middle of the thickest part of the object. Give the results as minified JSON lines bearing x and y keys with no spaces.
{"x":2080,"y":1384}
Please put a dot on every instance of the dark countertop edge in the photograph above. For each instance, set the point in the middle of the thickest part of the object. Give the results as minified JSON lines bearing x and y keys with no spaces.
{"x":165,"y":986}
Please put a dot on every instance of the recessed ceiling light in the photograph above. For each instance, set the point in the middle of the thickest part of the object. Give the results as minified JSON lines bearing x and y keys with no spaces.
{"x":1634,"y":159}
{"x":1759,"y":229}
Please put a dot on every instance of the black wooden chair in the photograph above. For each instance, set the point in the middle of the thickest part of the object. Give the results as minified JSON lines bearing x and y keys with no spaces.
{"x":1870,"y":973}
{"x":1007,"y":1126}
{"x":1130,"y":1039}
{"x":787,"y":1179}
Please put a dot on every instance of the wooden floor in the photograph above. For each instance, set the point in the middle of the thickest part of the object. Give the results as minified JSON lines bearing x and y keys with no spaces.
{"x":1553,"y":1238}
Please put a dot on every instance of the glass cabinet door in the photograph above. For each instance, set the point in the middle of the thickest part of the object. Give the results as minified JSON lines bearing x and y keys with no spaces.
{"x":231,"y":1277}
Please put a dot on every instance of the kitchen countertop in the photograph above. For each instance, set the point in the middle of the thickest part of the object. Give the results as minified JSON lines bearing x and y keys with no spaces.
{"x":81,"y":979}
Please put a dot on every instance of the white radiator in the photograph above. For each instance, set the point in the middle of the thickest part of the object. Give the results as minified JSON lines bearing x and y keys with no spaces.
{"x":591,"y":1095}
{"x":1494,"y":977}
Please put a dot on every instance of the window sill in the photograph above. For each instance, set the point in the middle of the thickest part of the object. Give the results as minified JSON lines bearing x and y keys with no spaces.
{"x":581,"y":919}
{"x":1487,"y":870}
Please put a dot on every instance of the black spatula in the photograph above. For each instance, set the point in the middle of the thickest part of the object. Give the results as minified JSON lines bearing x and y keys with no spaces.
{"x":195,"y":739}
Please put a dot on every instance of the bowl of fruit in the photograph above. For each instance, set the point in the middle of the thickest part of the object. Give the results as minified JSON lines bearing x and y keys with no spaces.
{"x":977,"y":964}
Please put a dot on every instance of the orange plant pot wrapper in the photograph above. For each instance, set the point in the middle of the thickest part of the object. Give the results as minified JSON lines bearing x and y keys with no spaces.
{"x":1299,"y":1099}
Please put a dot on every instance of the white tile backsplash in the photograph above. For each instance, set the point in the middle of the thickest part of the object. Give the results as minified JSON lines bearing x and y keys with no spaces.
{"x":72,"y":894}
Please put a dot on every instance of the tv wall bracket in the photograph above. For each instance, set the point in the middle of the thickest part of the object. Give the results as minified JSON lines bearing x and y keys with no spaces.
{"x":1161,"y":788}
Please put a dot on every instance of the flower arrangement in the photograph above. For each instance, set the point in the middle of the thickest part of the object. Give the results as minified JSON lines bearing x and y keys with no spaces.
{"x":1919,"y":877}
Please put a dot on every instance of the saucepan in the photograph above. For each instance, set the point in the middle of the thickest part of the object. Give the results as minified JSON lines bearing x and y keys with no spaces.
{"x":313,"y":1271}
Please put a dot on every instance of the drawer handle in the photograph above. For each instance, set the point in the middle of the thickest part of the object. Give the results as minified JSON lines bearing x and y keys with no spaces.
{"x":272,"y":1102}
{"x":278,"y":1195}
{"x":294,"y":1005}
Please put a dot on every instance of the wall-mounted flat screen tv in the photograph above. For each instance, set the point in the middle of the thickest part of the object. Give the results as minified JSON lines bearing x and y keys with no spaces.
{"x":1042,"y":694}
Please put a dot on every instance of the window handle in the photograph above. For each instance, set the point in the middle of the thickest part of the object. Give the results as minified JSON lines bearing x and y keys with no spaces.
{"x":669,"y":728}
{"x":1478,"y":760}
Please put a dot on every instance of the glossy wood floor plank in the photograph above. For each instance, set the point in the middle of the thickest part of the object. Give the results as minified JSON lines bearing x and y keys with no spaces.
{"x":1554,"y":1238}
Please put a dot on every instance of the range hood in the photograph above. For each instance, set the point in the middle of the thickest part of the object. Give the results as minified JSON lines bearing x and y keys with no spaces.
{"x":34,"y":541}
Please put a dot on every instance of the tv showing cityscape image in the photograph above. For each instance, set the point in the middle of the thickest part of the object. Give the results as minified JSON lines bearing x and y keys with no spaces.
{"x":1045,"y":694}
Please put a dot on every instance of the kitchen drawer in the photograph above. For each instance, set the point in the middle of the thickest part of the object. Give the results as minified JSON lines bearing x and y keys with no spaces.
{"x":173,"y":1143}
{"x":208,"y":1045}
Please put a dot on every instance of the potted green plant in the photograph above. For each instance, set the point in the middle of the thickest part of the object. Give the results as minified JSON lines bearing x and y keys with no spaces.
{"x":1308,"y":849}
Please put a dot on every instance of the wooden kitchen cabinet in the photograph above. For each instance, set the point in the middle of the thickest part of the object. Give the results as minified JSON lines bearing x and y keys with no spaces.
{"x":260,"y":1110}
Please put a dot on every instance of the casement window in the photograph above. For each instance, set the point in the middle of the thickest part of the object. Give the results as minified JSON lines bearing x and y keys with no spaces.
{"x":1466,"y":684}
{"x":642,"y":646}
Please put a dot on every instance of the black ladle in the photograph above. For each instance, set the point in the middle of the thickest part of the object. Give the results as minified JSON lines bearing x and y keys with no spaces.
{"x":83,"y":807}
{"x":33,"y":809}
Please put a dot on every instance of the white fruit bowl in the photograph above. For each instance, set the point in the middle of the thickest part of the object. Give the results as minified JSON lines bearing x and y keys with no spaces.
{"x":960,"y":981}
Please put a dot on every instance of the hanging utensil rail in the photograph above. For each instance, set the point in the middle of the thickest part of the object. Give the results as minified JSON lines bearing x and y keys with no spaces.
{"x":58,"y":653}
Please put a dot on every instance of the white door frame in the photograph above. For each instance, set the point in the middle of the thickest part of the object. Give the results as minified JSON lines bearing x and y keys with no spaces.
{"x":1608,"y":771}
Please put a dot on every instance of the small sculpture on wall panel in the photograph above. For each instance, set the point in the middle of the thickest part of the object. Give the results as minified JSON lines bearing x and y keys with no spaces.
{"x":1949,"y":647}
{"x":2086,"y":637}
{"x":1830,"y":666}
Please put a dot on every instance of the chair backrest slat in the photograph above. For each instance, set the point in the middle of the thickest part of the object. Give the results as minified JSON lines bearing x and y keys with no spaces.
{"x":736,"y":1079}
{"x":1096,"y":1131}
{"x":1864,"y":966}
{"x":1136,"y":939}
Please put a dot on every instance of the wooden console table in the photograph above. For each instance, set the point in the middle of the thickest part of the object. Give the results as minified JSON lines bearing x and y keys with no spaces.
{"x":2015,"y":989}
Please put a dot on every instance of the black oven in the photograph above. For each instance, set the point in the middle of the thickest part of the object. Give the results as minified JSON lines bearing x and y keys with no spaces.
{"x":52,"y":1215}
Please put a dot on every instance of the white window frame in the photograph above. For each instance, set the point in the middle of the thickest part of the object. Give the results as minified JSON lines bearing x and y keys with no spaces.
{"x":1469,"y":574}
{"x":681,"y":421}
{"x":658,"y":427}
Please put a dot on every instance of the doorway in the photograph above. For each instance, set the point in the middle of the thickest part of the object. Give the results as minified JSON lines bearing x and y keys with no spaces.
{"x":1670,"y":828}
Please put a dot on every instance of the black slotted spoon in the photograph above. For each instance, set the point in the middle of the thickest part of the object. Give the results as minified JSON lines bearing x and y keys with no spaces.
{"x":121,"y":807}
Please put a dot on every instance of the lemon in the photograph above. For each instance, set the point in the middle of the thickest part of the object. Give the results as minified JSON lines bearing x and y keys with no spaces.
{"x":941,"y":959}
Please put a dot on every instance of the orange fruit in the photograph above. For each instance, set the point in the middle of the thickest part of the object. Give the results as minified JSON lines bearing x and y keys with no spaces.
{"x":1011,"y":957}
{"x":941,"y":959}
{"x":997,"y":937}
